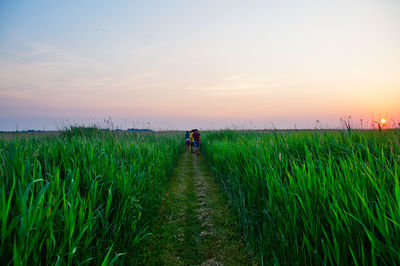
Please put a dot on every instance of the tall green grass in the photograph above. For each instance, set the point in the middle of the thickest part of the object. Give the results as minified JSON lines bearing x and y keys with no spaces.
{"x":84,"y":196}
{"x":313,"y":198}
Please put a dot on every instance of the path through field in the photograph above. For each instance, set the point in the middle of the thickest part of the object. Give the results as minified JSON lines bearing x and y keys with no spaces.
{"x":195,"y":225}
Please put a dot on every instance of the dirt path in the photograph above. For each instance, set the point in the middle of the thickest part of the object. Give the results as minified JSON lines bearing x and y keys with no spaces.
{"x":195,"y":225}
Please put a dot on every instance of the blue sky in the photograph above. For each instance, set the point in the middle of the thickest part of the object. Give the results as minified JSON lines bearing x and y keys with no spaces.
{"x":209,"y":64}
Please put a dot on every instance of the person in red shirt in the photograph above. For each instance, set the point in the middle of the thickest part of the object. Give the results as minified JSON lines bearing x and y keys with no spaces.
{"x":196,"y":141}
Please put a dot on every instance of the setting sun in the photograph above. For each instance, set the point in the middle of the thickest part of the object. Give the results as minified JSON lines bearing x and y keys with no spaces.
{"x":383,"y":120}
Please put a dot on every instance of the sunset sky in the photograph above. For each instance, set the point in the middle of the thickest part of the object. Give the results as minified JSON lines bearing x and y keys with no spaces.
{"x":205,"y":64}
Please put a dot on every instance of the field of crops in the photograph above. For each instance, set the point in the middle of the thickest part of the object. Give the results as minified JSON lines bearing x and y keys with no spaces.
{"x":81,"y":196}
{"x":88,"y":196}
{"x":313,"y":198}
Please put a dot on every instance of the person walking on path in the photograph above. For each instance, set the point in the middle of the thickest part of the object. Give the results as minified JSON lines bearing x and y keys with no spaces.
{"x":191,"y":140}
{"x":187,"y":140}
{"x":196,"y":141}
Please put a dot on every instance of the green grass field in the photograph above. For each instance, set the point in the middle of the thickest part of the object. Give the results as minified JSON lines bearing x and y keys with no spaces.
{"x":84,"y":195}
{"x":313,"y":198}
{"x":87,"y":196}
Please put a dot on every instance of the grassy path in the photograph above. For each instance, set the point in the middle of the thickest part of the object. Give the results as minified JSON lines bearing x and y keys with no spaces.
{"x":195,"y":225}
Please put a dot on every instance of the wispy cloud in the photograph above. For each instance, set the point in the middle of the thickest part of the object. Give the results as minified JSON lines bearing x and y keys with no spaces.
{"x":48,"y":69}
{"x":242,"y":84}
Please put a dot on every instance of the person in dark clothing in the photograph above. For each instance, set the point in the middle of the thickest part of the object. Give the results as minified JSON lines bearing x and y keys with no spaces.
{"x":187,"y":140}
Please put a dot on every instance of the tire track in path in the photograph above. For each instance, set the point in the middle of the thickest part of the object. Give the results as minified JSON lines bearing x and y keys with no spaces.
{"x":195,"y":225}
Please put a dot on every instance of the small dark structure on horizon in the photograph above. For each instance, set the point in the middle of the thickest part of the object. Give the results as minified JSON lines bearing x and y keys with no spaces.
{"x":140,"y":129}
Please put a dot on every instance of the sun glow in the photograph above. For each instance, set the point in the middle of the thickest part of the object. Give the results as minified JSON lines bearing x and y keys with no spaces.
{"x":383,"y":120}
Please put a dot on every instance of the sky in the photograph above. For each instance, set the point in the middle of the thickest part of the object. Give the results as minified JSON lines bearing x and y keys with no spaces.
{"x":198,"y":64}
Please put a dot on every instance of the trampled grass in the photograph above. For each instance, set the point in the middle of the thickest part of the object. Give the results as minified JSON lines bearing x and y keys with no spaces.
{"x":313,"y":198}
{"x":82,"y":196}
